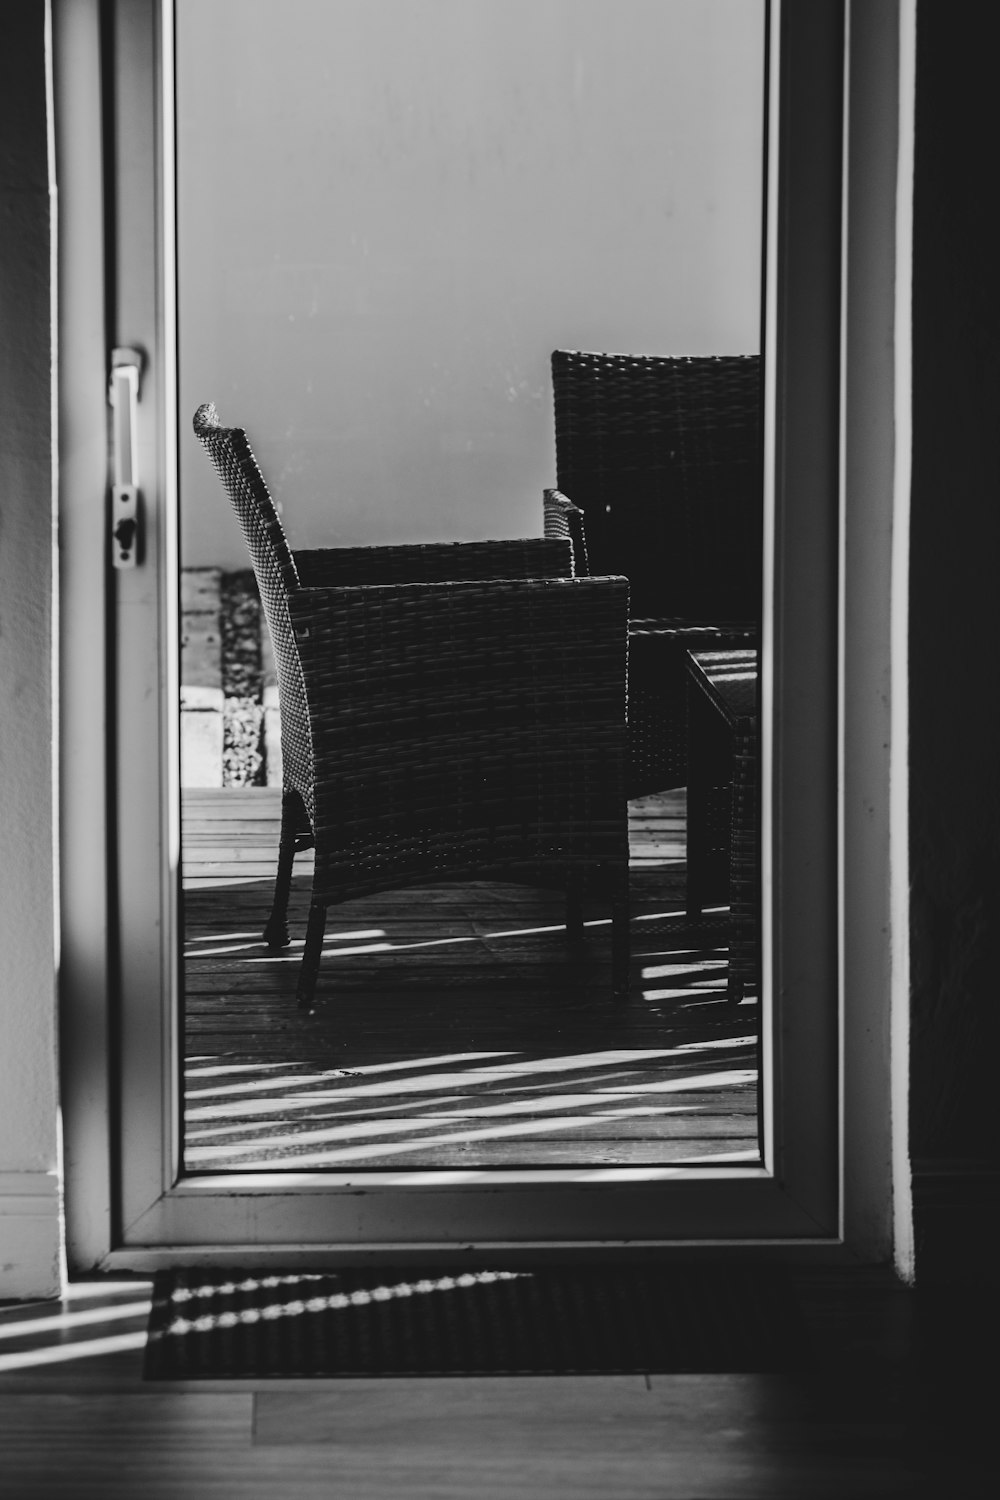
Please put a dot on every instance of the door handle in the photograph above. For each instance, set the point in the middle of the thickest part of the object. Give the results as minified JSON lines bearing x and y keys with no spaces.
{"x":126,"y":502}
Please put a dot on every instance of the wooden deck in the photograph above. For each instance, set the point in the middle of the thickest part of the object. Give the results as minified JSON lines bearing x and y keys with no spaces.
{"x":454,"y":1026}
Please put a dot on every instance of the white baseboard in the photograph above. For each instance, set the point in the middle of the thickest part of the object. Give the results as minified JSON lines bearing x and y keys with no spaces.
{"x":30,"y":1236}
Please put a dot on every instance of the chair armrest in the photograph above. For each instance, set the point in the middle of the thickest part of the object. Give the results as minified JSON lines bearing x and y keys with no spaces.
{"x":436,"y":562}
{"x":561,"y":518}
{"x":697,"y":635}
{"x":477,"y":693}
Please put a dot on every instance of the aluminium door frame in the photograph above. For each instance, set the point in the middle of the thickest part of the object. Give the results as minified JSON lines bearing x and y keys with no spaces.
{"x":830,"y":652}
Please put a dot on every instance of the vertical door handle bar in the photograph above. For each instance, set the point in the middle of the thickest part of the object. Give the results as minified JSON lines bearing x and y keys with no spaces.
{"x":126,"y":511}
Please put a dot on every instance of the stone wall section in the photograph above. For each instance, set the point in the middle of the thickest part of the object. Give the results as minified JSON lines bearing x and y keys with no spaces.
{"x":201,"y":677}
{"x":230,"y":728}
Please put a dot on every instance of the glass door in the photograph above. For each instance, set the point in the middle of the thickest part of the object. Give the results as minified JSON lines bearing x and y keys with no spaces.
{"x":343,"y":240}
{"x":389,"y":215}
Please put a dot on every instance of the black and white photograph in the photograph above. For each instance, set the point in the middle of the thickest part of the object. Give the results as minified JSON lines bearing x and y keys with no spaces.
{"x":499,"y":848}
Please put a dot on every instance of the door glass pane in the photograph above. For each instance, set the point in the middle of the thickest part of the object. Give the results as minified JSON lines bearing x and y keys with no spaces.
{"x":390,"y":214}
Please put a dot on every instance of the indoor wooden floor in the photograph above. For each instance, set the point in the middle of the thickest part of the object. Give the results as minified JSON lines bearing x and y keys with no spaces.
{"x":897,"y":1402}
{"x":454,"y":1026}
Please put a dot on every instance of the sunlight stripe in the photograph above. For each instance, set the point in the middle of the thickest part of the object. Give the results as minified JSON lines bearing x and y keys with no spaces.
{"x":83,"y":1291}
{"x":599,"y":1101}
{"x":275,"y":1105}
{"x":208,"y":1154}
{"x":222,"y":1068}
{"x":268,"y":1283}
{"x":752,"y":1154}
{"x":668,"y":971}
{"x":444,"y":1080}
{"x":369,"y":1129}
{"x":288,"y":955}
{"x":352,"y":1072}
{"x":223,"y":937}
{"x":111,"y":1313}
{"x":333,"y":1302}
{"x":26,"y":1359}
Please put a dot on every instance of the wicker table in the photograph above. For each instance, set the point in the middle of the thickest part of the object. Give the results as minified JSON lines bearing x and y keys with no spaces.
{"x":722,"y":819}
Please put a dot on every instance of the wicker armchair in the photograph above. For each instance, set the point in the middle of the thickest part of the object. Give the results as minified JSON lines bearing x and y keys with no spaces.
{"x":448,"y":712}
{"x":659,"y":460}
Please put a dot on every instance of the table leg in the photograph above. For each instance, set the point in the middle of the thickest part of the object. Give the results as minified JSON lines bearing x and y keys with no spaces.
{"x":708,"y":805}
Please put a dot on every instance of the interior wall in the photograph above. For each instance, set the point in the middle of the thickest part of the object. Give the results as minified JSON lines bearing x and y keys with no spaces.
{"x":392,"y":211}
{"x":29,"y":1182}
{"x":954,"y":655}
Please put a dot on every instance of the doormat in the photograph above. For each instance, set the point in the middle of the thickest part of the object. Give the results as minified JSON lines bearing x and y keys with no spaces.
{"x":597,"y":1320}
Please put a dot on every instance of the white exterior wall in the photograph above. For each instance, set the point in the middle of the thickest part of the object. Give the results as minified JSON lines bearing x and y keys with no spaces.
{"x":392,"y":211}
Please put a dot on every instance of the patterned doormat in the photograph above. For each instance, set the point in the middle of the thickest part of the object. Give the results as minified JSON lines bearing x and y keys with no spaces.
{"x":404,"y":1321}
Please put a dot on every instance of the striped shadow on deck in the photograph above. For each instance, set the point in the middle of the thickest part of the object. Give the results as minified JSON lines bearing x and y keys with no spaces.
{"x":454,"y":1026}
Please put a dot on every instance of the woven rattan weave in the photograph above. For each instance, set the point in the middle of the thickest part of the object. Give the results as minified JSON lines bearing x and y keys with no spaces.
{"x":448,"y":712}
{"x":659,"y":460}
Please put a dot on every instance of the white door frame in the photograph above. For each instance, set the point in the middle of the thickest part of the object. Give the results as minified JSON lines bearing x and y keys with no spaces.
{"x":833,"y":740}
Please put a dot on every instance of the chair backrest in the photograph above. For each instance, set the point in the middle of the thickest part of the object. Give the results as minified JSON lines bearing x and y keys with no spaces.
{"x":663,"y":456}
{"x":277,"y":577}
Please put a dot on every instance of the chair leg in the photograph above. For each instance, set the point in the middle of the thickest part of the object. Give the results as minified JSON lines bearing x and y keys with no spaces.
{"x":574,"y":906}
{"x":310,"y":958}
{"x":276,"y":932}
{"x":620,"y":940}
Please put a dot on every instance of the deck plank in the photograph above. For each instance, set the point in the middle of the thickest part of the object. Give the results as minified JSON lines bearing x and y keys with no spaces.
{"x":454,"y":1024}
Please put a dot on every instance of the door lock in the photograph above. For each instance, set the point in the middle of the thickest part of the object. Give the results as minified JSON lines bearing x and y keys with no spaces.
{"x":125,"y":533}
